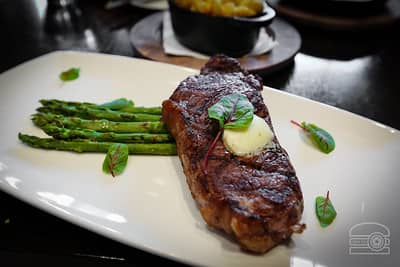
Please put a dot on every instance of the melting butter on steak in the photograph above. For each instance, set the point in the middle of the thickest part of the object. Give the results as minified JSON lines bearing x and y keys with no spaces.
{"x":256,"y":199}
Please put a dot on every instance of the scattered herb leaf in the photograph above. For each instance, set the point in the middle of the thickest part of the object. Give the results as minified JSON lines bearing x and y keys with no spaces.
{"x":320,"y":137}
{"x":117,"y":104}
{"x":116,"y":159}
{"x":325,"y":211}
{"x":69,"y":75}
{"x":233,"y":111}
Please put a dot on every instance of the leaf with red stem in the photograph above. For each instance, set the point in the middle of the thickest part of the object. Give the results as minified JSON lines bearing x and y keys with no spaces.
{"x":324,"y":210}
{"x":116,"y":159}
{"x":232,"y":111}
{"x":320,"y":137}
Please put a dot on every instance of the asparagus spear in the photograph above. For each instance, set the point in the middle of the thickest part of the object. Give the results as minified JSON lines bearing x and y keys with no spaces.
{"x":148,"y":110}
{"x":91,"y":146}
{"x":42,"y":119}
{"x":69,"y":134}
{"x":49,"y":102}
{"x":97,"y":113}
{"x":118,"y":105}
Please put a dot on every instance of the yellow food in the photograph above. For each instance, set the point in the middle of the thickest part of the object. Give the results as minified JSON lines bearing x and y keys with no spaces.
{"x":226,"y":8}
{"x":249,"y":141}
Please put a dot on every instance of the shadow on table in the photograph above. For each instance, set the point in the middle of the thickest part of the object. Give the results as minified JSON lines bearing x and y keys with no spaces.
{"x":280,"y":78}
{"x":340,"y":46}
{"x":343,"y":45}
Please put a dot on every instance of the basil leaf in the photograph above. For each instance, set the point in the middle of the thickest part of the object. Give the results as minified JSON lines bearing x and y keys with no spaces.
{"x":233,"y":111}
{"x":69,"y":75}
{"x":116,"y":159}
{"x":117,"y":104}
{"x":320,"y":137}
{"x":325,"y":211}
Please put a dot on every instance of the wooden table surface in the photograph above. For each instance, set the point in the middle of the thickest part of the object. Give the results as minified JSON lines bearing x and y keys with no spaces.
{"x":355,"y":71}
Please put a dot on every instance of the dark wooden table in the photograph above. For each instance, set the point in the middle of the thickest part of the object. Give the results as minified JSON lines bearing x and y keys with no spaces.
{"x":358,"y":72}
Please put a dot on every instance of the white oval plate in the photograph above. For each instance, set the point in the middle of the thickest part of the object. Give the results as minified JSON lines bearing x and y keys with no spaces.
{"x":150,"y":207}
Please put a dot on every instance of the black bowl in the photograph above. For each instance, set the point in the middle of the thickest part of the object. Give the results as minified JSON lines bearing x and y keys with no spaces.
{"x":233,"y":36}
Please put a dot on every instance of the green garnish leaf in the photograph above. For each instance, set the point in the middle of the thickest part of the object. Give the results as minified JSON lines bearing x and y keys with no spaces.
{"x":116,"y":159}
{"x":69,"y":75}
{"x":320,"y":137}
{"x":117,"y":104}
{"x":325,"y":211}
{"x":233,"y":111}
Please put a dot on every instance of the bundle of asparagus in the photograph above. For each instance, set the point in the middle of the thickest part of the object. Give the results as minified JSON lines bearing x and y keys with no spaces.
{"x":88,"y":127}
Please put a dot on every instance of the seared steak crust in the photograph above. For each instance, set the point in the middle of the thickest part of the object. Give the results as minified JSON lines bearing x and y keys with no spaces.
{"x":256,"y":199}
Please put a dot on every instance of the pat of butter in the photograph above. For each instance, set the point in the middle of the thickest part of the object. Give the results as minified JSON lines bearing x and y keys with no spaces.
{"x":247,"y":142}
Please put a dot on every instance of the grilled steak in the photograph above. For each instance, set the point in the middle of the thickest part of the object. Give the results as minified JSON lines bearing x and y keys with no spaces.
{"x":256,"y":199}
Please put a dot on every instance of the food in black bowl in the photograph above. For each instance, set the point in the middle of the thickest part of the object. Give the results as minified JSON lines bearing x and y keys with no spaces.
{"x":219,"y":29}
